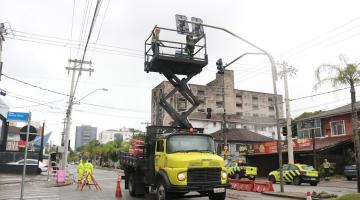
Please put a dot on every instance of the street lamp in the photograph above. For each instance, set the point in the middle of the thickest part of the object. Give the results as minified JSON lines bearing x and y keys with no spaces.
{"x":68,"y":123}
{"x":274,"y":78}
{"x":78,"y":101}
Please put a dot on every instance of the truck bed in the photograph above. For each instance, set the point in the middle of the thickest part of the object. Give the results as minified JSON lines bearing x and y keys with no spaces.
{"x":126,"y":159}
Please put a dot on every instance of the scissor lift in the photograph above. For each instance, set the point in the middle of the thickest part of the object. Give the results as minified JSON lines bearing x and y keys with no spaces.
{"x":172,"y":61}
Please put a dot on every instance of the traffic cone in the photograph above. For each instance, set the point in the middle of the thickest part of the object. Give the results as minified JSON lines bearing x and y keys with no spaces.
{"x":118,"y":193}
{"x":308,"y":196}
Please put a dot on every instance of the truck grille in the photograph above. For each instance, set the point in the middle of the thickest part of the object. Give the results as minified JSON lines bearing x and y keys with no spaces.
{"x":206,"y":176}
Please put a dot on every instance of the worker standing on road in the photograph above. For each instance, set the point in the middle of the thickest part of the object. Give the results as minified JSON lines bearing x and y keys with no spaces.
{"x":326,"y":166}
{"x":89,"y":169}
{"x":80,"y":171}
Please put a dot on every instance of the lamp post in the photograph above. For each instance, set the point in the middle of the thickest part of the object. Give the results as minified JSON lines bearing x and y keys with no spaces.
{"x":68,"y":122}
{"x":274,"y":78}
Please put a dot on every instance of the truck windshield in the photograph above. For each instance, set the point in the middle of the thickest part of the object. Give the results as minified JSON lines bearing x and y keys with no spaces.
{"x":190,"y":143}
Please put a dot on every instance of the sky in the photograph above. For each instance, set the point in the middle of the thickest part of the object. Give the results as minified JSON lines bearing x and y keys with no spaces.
{"x":42,"y":35}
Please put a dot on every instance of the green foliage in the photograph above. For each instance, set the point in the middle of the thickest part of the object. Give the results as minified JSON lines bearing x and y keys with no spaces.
{"x":331,"y":170}
{"x":354,"y":196}
{"x":307,"y":115}
{"x":349,"y":157}
{"x":104,"y":152}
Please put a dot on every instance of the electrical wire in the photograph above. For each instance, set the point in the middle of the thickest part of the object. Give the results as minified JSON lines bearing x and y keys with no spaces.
{"x":101,"y":24}
{"x":32,"y":85}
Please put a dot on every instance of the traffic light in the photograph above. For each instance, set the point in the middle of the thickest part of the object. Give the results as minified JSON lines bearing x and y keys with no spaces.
{"x":208,"y":114}
{"x":220,"y":66}
{"x":284,"y":130}
{"x":294,"y":129}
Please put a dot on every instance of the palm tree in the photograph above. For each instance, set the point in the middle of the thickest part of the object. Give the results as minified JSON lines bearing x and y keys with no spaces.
{"x":348,"y":75}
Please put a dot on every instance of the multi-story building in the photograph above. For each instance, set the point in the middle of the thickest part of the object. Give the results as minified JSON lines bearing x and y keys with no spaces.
{"x":250,"y":110}
{"x":84,"y":134}
{"x":110,"y":135}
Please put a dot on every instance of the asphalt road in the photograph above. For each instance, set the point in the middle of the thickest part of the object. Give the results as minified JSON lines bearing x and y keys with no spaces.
{"x":107,"y":181}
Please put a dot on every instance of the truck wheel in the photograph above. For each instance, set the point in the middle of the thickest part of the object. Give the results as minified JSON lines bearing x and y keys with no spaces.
{"x":272,"y":179}
{"x":313,"y":183}
{"x":132,"y":185}
{"x":349,"y":178}
{"x":161,"y":193}
{"x":217,"y":196}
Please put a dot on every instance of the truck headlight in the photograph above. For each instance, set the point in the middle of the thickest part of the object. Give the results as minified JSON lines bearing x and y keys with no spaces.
{"x":223,"y":175}
{"x":181,"y":176}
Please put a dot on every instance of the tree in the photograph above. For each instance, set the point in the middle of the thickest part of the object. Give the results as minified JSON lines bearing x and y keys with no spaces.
{"x":348,"y":75}
{"x":307,"y":115}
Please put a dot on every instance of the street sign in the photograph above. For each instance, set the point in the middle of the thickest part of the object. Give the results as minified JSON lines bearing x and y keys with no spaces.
{"x":182,"y":26}
{"x":32,"y":133}
{"x":18,"y":116}
{"x":197,"y":29}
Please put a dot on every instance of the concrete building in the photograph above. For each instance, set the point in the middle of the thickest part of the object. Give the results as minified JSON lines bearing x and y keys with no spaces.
{"x":84,"y":134}
{"x":110,"y":135}
{"x":249,"y":110}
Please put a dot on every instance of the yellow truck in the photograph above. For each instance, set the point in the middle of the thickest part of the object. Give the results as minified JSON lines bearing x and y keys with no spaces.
{"x":176,"y":161}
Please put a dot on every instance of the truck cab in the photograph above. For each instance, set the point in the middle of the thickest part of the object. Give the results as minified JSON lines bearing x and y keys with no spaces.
{"x":175,"y":164}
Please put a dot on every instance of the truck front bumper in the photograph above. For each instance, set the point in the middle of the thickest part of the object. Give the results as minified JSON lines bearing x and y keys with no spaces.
{"x":200,"y":187}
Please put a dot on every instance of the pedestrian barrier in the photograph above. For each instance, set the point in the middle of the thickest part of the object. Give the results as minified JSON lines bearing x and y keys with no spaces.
{"x":118,"y":193}
{"x":251,"y":186}
{"x":89,"y":180}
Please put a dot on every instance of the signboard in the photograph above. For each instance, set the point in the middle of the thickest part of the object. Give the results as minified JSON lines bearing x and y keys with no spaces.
{"x":271,"y":147}
{"x":182,"y":27}
{"x":197,"y":29}
{"x":18,"y":116}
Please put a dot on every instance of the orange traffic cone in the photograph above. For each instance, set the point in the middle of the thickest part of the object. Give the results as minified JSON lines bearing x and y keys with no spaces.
{"x":118,"y":193}
{"x":308,"y":196}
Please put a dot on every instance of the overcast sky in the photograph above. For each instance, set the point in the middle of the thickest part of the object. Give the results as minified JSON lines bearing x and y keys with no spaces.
{"x":303,"y":33}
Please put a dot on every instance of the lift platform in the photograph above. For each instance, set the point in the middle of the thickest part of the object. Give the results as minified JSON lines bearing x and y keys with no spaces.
{"x":172,"y":60}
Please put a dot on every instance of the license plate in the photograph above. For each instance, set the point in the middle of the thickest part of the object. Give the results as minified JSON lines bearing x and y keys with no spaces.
{"x":313,"y":179}
{"x":219,"y":190}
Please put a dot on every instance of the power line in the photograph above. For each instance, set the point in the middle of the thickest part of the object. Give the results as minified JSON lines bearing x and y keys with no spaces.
{"x":32,"y":85}
{"x":101,"y":24}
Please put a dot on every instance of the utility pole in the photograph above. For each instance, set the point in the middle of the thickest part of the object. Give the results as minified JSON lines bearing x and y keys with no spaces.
{"x":286,"y":69}
{"x":71,"y":103}
{"x":221,"y":71}
{"x":2,"y":39}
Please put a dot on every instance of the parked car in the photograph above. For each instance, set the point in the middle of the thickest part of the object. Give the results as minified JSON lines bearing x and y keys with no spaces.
{"x":41,"y":167}
{"x":296,"y":174}
{"x":238,"y":170}
{"x":350,"y":171}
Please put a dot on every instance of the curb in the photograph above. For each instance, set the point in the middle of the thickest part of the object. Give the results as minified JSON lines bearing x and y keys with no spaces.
{"x":60,"y":184}
{"x":294,"y":195}
{"x":26,"y":181}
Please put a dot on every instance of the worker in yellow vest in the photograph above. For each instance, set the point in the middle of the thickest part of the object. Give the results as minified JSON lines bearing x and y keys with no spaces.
{"x":80,"y":170}
{"x":89,"y":169}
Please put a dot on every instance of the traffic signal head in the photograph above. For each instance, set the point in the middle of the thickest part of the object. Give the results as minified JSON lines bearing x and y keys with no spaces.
{"x":294,"y":129}
{"x":220,"y":66}
{"x":284,"y":130}
{"x":208,"y":114}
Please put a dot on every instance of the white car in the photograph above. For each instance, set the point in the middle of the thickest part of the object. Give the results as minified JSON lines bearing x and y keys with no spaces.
{"x":41,"y":167}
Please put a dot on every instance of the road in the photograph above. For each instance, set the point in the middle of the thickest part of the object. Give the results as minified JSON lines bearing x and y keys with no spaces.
{"x":107,"y":181}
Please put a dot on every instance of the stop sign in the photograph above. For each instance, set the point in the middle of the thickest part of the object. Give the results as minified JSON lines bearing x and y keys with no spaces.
{"x":32,"y":133}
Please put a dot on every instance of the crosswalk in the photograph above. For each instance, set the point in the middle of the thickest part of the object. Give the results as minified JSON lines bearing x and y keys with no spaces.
{"x":31,"y":192}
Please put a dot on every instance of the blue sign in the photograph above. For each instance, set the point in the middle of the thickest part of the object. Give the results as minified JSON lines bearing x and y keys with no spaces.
{"x":17,"y":116}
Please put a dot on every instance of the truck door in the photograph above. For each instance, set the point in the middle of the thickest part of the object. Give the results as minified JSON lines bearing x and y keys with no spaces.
{"x":159,"y":155}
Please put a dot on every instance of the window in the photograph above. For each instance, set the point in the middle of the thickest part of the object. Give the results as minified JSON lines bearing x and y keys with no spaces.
{"x":271,"y":108}
{"x":232,"y":125}
{"x":256,"y":115}
{"x":272,"y":116}
{"x":293,"y":167}
{"x":239,"y":113}
{"x":239,"y":105}
{"x":305,"y":129}
{"x":255,"y":98}
{"x":219,"y":104}
{"x":201,"y":110}
{"x":270,"y":99}
{"x":255,"y":106}
{"x":181,"y":104}
{"x":337,"y":127}
{"x":201,"y":93}
{"x":160,"y":146}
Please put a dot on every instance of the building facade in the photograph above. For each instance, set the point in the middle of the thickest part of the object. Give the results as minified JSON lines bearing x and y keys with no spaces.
{"x":110,"y":135}
{"x":84,"y":134}
{"x":250,"y":110}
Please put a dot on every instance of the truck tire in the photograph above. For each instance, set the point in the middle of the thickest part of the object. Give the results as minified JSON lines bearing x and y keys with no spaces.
{"x":272,"y":179}
{"x":132,"y":185}
{"x":161,"y":192}
{"x":217,"y":196}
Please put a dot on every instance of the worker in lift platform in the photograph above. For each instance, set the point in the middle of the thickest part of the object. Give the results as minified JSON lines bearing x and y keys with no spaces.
{"x":155,"y":42}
